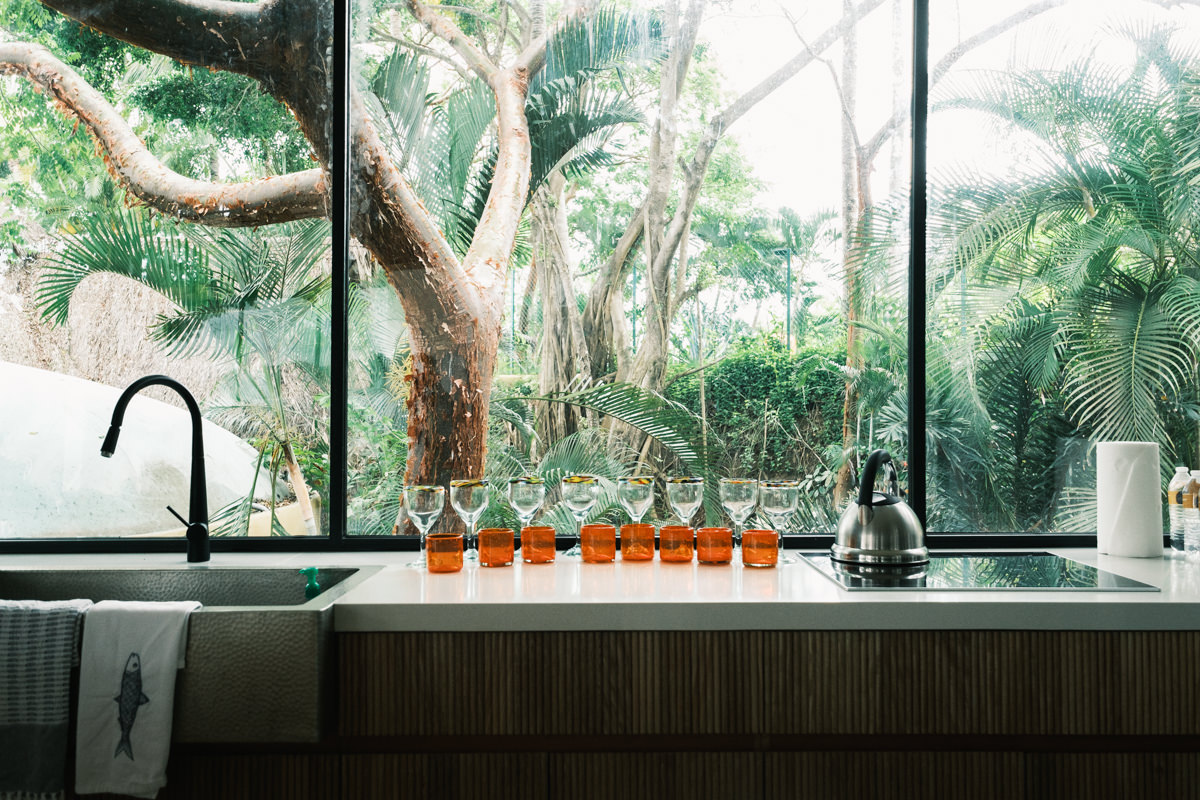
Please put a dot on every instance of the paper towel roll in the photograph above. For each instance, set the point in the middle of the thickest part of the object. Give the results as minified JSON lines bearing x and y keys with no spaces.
{"x":1128,"y":499}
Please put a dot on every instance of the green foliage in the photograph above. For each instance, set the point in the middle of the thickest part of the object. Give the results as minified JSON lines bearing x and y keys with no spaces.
{"x":798,"y":397}
{"x":1073,"y":282}
{"x":233,"y":109}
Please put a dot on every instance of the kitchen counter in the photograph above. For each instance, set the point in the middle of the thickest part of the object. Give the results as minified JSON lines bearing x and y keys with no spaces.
{"x":630,"y":596}
{"x":569,"y":595}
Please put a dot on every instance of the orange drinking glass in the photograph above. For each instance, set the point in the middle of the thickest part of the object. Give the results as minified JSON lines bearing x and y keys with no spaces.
{"x":444,"y":552}
{"x":537,"y":544}
{"x":714,"y":545}
{"x":675,"y":543}
{"x":637,"y":542}
{"x":495,"y":547}
{"x":760,"y":548}
{"x":599,"y":543}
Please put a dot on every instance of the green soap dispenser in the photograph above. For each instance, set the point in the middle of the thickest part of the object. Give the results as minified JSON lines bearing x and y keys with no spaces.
{"x":312,"y":588}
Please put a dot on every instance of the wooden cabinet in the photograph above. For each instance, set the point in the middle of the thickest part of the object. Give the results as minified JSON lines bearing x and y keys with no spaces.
{"x":741,"y":714}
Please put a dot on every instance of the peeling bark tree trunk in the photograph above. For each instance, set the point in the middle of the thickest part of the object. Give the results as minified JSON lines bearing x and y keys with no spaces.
{"x":564,"y":353}
{"x":451,"y":387}
{"x":452,"y":305}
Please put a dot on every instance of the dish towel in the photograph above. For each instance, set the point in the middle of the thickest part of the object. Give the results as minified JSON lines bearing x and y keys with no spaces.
{"x":131,"y":652}
{"x":38,"y":646}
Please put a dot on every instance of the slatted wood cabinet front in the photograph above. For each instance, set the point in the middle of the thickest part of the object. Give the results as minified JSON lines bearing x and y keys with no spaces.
{"x":741,"y":714}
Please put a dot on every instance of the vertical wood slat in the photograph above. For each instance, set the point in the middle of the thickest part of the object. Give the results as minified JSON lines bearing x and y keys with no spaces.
{"x":1098,"y":776}
{"x":245,"y":777}
{"x":445,"y":776}
{"x":884,"y":776}
{"x":748,"y":682}
{"x":657,"y":776}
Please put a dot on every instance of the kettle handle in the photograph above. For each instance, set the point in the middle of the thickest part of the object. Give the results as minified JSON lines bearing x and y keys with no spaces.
{"x":866,"y":489}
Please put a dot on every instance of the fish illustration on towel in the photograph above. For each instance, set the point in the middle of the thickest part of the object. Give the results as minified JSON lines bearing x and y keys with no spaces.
{"x":128,"y":701}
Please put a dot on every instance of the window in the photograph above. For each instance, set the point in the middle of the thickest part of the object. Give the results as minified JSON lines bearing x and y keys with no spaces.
{"x":378,"y":255}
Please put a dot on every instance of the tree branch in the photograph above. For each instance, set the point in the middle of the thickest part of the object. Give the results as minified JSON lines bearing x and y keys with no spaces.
{"x":210,"y":33}
{"x":416,"y":47}
{"x":486,"y":261}
{"x":939,"y":70}
{"x":450,"y":33}
{"x":300,"y":195}
{"x":734,"y":111}
{"x":521,"y":11}
{"x":847,"y":112}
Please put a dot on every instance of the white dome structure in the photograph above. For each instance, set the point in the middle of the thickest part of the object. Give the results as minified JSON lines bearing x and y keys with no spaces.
{"x":54,"y":482}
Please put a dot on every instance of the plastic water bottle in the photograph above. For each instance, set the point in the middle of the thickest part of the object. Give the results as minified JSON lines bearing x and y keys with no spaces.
{"x":1175,"y":491}
{"x":1191,"y":517}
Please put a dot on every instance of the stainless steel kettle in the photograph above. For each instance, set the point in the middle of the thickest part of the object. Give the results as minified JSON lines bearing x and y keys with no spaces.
{"x":879,"y":528}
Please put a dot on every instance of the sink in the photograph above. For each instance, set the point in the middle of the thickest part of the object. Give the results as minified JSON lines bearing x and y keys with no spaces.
{"x":212,"y":586}
{"x":259,"y":656}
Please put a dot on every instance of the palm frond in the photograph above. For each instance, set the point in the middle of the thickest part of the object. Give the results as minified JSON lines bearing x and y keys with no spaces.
{"x":133,"y":244}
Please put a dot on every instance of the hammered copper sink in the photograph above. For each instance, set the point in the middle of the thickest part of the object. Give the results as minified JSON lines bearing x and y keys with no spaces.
{"x":259,"y":656}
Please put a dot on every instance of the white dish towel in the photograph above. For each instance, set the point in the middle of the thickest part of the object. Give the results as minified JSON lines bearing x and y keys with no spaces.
{"x":131,"y":652}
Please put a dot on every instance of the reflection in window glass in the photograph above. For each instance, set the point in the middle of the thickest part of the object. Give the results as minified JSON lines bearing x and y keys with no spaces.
{"x":162,"y":218}
{"x":715,"y":213}
{"x":1062,"y":158}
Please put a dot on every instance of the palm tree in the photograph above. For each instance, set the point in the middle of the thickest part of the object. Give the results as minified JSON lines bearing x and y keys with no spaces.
{"x":260,"y":303}
{"x":1075,"y":282}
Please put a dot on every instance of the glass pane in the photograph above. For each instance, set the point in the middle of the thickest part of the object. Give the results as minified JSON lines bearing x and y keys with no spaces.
{"x":159,"y":219}
{"x":1062,"y":158}
{"x":693,"y":230}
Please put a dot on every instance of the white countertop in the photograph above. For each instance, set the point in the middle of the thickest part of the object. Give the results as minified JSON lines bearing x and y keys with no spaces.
{"x":570,"y":595}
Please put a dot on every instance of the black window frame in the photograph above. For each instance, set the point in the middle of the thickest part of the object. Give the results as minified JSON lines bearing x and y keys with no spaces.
{"x":337,"y":539}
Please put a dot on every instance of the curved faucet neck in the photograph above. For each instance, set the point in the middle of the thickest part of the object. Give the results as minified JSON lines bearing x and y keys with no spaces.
{"x":197,"y":521}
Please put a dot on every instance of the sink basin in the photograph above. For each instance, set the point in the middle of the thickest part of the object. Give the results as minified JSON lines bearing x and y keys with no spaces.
{"x":214,"y":587}
{"x":259,"y":656}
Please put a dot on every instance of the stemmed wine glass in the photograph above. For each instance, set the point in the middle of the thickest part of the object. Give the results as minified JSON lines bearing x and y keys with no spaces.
{"x":738,"y":498}
{"x":636,"y":494}
{"x":580,"y":493}
{"x":685,"y":495}
{"x":424,"y":505}
{"x":779,"y":500}
{"x":469,"y":498}
{"x":526,"y":495}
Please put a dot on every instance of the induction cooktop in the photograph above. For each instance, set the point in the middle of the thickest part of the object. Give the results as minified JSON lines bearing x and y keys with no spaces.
{"x":978,"y":571}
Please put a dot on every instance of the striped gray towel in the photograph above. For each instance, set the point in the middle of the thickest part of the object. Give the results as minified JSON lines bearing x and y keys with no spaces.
{"x":39,"y":643}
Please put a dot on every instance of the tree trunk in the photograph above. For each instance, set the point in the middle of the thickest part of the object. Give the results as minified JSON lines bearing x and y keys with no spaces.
{"x":850,"y":217}
{"x":451,"y":386}
{"x":300,"y":487}
{"x":564,"y":353}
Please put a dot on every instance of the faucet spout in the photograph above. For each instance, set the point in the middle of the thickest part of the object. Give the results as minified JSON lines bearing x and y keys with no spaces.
{"x":197,"y":519}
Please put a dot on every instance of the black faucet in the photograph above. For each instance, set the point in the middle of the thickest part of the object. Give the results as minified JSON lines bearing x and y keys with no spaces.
{"x":197,"y":521}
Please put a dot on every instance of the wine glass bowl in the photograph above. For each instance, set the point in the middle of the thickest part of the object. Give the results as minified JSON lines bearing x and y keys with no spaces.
{"x":579,"y":494}
{"x":636,"y":495}
{"x":738,"y":498}
{"x":423,"y":504}
{"x":685,"y":494}
{"x":526,"y":495}
{"x":779,"y":501}
{"x":469,"y":497}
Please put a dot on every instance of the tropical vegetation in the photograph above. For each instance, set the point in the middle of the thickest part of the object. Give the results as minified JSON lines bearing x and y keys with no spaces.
{"x":563,"y":258}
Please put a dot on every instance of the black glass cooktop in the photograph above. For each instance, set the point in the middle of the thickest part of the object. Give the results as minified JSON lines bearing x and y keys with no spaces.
{"x":979,"y":571}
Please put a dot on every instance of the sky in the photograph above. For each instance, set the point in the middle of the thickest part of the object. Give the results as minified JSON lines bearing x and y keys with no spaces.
{"x":792,"y":137}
